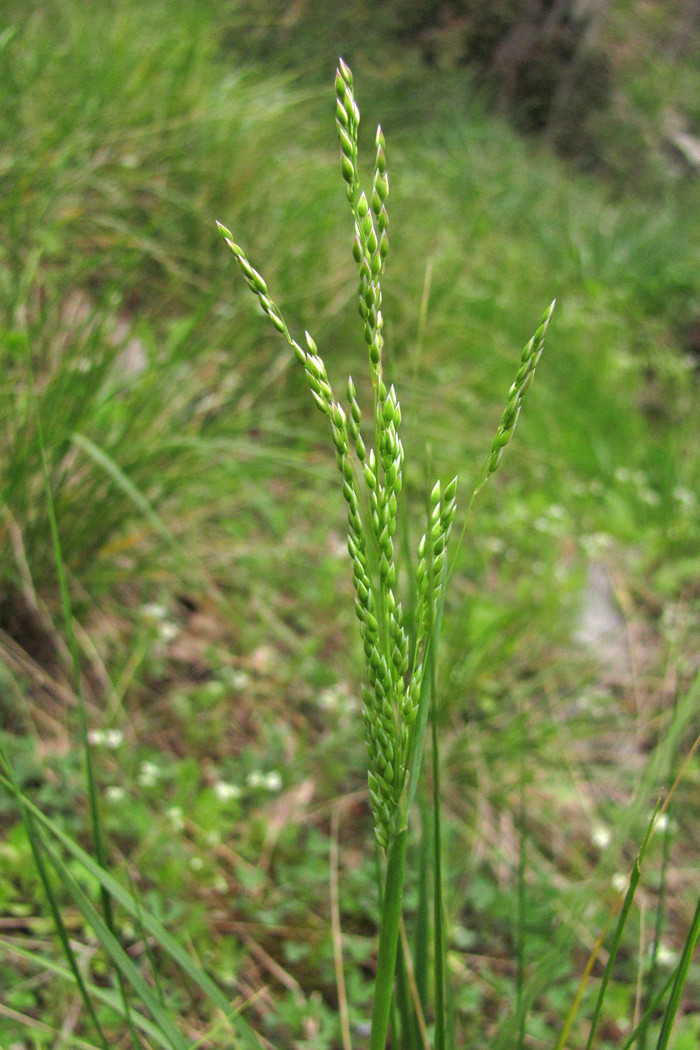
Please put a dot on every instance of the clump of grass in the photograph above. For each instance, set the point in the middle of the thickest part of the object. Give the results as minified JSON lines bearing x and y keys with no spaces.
{"x":110,"y":293}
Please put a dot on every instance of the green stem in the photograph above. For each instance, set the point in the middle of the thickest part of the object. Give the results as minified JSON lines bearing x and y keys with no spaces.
{"x":67,"y":610}
{"x":421,"y":950}
{"x":388,"y":941}
{"x":680,"y":979}
{"x":438,"y":912}
{"x":522,"y":868}
{"x":33,"y":838}
{"x":622,"y":920}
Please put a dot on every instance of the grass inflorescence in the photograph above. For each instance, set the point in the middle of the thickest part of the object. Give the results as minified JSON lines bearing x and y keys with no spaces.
{"x":372,"y":480}
{"x":398,"y":693}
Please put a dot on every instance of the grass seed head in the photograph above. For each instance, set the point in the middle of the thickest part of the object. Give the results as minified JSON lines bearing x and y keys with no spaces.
{"x":390,"y":703}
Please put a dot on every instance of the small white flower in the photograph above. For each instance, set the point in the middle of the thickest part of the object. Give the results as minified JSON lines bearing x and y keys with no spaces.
{"x":148,"y":774}
{"x":333,"y":698}
{"x":337,"y":697}
{"x":620,"y":882}
{"x":167,"y":631}
{"x":214,"y":689}
{"x":596,"y":543}
{"x":601,"y":836}
{"x":81,"y":364}
{"x":225,"y":791}
{"x":238,"y":680}
{"x":666,"y":956}
{"x":273,"y":781}
{"x":176,"y":818}
{"x":664,"y":823}
{"x":196,"y":863}
{"x":110,"y":738}
{"x":684,"y":496}
{"x":270,"y":781}
{"x":154,"y":611}
{"x":115,"y":793}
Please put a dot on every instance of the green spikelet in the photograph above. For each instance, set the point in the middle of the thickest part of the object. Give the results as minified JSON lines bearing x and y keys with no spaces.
{"x":521,"y":384}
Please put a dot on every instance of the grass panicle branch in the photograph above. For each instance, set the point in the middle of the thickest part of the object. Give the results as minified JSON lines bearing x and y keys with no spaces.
{"x":521,"y":384}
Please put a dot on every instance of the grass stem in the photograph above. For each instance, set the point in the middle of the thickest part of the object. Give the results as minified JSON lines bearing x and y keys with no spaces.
{"x":388,"y":940}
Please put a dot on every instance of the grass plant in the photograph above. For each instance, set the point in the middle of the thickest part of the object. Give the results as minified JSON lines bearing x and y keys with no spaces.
{"x":401,"y":696}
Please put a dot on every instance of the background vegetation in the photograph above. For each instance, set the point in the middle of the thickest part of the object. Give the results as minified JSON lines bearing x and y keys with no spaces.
{"x":203,"y":532}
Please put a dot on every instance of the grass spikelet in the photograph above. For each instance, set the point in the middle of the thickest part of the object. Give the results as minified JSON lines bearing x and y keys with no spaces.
{"x":522,"y":382}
